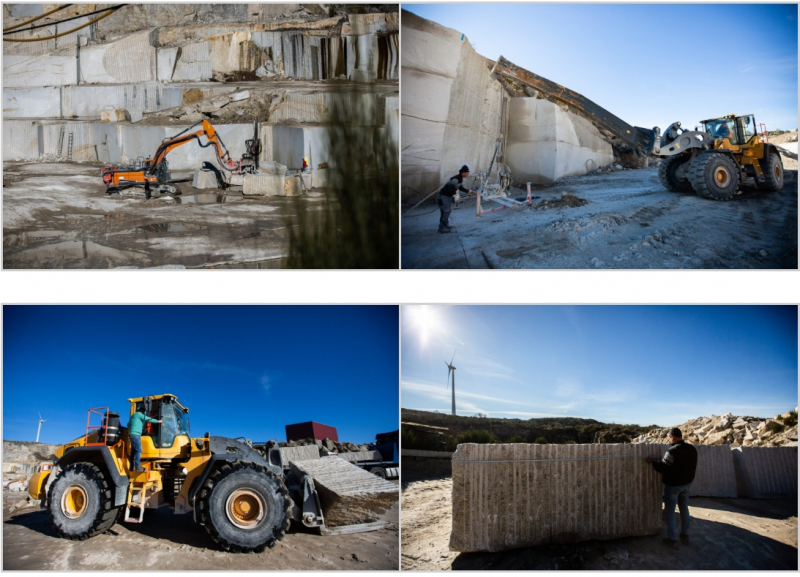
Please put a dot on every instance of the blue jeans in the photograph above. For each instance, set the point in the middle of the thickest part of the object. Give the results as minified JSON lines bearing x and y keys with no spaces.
{"x":677,"y":495}
{"x":136,"y":451}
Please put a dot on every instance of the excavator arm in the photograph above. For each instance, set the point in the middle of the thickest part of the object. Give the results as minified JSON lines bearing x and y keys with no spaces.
{"x":150,"y":174}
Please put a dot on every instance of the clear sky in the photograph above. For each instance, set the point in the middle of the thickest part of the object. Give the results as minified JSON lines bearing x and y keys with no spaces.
{"x":242,"y":370}
{"x":640,"y":365}
{"x":649,"y":64}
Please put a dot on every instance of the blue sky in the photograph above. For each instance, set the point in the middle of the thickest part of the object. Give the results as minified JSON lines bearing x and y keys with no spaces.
{"x":242,"y":370}
{"x":638,"y":365}
{"x":649,"y":64}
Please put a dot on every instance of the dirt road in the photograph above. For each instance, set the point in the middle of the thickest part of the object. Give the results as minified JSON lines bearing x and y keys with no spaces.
{"x":726,"y":534}
{"x":59,"y":216}
{"x":630,"y":221}
{"x":166,"y":541}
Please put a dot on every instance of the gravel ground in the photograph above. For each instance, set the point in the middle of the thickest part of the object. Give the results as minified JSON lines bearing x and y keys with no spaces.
{"x":629,"y":222}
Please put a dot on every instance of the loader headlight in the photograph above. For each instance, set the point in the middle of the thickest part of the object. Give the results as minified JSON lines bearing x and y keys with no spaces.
{"x":199,"y":443}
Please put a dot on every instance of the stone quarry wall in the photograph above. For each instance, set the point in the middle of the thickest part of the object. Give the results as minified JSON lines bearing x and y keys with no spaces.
{"x":156,"y":62}
{"x":517,"y":495}
{"x":452,"y":108}
{"x":766,"y":472}
{"x":546,"y":143}
{"x":715,"y":475}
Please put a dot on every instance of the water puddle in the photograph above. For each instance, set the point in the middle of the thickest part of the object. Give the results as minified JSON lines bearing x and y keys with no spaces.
{"x":160,"y":227}
{"x":272,"y":263}
{"x":202,"y":198}
{"x":70,"y":250}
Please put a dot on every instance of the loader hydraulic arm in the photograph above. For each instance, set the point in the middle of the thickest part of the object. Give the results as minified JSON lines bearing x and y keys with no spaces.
{"x":641,"y":140}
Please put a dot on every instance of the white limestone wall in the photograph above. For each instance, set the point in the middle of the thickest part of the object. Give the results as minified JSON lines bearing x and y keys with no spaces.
{"x":451,"y":107}
{"x":546,"y":143}
{"x":20,"y":140}
{"x":58,"y":69}
{"x":44,"y":102}
{"x":131,"y":59}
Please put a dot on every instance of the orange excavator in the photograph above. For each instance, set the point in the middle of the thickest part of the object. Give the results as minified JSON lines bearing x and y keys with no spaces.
{"x":153,"y":173}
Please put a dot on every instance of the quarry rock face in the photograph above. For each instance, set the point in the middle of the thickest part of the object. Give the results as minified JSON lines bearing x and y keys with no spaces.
{"x":451,"y":106}
{"x":766,"y":472}
{"x":519,"y":495}
{"x":349,"y":495}
{"x":546,"y":143}
{"x":168,"y":66}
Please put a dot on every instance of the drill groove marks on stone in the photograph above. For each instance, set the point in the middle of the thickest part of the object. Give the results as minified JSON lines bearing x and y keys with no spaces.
{"x":349,"y":494}
{"x":766,"y":472}
{"x":715,"y":476}
{"x":532,"y":495}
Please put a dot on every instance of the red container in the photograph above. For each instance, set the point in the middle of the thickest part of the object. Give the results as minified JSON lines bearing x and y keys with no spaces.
{"x":311,"y":430}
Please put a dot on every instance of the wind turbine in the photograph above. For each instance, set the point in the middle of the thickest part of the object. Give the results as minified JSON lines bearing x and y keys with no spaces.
{"x":41,"y":420}
{"x":452,"y":370}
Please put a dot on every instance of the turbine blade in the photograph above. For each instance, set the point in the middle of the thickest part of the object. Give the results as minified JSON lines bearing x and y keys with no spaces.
{"x":454,"y":356}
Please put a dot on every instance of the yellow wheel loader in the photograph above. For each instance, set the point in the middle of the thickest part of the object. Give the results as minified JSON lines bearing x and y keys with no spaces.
{"x":245,"y":498}
{"x":713,"y":162}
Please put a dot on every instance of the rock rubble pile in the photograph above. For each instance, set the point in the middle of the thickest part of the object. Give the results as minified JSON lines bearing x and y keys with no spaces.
{"x":728,"y":429}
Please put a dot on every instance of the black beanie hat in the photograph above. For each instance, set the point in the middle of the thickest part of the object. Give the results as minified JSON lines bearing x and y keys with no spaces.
{"x":464,"y":168}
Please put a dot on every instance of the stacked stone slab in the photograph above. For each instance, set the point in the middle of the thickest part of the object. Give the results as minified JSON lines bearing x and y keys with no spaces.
{"x":302,"y":453}
{"x":715,"y":476}
{"x":517,"y":495}
{"x":766,"y":472}
{"x":361,"y":456}
{"x":349,"y":495}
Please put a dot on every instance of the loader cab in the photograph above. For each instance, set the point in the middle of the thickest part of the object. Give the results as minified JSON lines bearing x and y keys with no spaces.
{"x":173,"y":432}
{"x":738,"y":129}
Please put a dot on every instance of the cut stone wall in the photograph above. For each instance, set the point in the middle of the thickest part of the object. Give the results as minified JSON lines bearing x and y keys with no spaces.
{"x":766,"y":472}
{"x":715,"y":476}
{"x":349,"y":495}
{"x":517,"y":495}
{"x":451,"y":106}
{"x":361,"y":456}
{"x":546,"y":143}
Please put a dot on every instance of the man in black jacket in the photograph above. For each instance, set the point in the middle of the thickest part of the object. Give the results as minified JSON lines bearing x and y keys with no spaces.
{"x":677,"y":470}
{"x":445,"y":197}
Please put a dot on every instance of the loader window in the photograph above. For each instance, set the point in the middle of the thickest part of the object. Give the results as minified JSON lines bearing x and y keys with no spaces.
{"x":169,"y":425}
{"x":747,"y":126}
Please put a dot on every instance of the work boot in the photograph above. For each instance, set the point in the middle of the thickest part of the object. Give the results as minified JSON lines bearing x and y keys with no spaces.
{"x":443,"y":230}
{"x":139,"y":470}
{"x":669,"y":543}
{"x":685,"y":539}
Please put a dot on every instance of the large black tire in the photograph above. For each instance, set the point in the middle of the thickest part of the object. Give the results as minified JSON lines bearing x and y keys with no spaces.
{"x":378,"y":472}
{"x":245,"y":507}
{"x":714,"y":175}
{"x":773,"y":173}
{"x":81,"y":502}
{"x":672,"y":173}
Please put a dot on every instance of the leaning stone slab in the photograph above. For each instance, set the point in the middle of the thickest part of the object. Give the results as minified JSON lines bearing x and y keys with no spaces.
{"x":349,"y":495}
{"x":516,"y":495}
{"x":766,"y":472}
{"x":204,"y":179}
{"x":715,"y":476}
{"x":302,"y":453}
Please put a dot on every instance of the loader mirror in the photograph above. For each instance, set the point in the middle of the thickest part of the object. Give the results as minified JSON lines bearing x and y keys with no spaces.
{"x":747,"y":120}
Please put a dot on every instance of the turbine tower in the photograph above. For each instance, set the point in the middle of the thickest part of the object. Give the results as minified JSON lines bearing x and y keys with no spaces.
{"x":451,"y":370}
{"x":39,"y":430}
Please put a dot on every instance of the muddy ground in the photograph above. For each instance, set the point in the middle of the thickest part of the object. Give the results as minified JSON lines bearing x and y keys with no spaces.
{"x":57,"y":215}
{"x":630,"y":222}
{"x":166,"y":541}
{"x":726,"y":534}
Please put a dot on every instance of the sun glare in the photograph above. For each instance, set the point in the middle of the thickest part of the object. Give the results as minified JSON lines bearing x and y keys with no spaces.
{"x":425,"y":320}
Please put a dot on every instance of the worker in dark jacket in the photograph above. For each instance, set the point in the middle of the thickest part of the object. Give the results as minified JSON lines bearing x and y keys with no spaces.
{"x":135,"y":434}
{"x":677,"y":470}
{"x":445,"y":197}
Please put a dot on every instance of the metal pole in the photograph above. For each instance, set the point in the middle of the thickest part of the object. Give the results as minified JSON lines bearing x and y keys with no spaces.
{"x":38,"y":431}
{"x":454,"y":391}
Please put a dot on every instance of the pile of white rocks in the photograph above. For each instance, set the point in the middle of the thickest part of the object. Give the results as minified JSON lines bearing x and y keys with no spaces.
{"x":728,"y":429}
